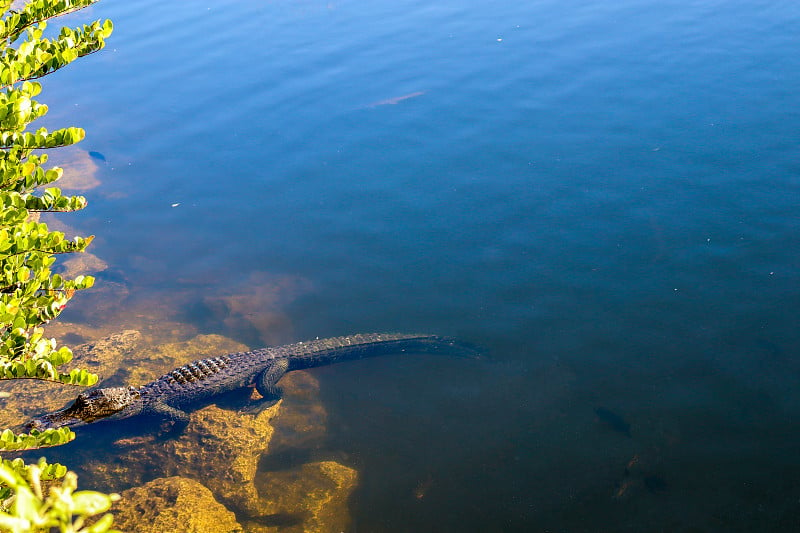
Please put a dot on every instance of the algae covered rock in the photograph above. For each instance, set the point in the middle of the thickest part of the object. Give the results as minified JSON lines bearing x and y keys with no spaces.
{"x":219,"y":448}
{"x":223,"y":449}
{"x":311,"y":498}
{"x":105,"y":355}
{"x":303,"y":419}
{"x":173,"y":504}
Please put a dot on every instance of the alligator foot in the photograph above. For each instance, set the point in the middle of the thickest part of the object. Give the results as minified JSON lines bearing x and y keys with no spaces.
{"x":256,"y":407}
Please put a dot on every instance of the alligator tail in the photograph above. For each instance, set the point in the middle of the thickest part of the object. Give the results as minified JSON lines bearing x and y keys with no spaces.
{"x":337,"y":349}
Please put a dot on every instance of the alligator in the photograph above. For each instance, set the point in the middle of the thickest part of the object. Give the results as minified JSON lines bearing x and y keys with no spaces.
{"x":173,"y":393}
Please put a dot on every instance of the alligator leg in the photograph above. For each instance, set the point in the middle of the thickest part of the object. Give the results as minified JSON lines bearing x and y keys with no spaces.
{"x":167,"y":411}
{"x":267,"y":386}
{"x":267,"y":381}
{"x":180,"y":419}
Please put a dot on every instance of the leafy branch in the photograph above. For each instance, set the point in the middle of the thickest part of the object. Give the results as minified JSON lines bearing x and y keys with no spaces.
{"x":34,"y":440}
{"x":15,"y":22}
{"x":38,"y":56}
{"x":30,"y":293}
{"x":26,"y":509}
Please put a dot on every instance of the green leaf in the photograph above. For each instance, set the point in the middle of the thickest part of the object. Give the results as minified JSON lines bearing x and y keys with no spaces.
{"x":38,"y":439}
{"x":26,"y":505}
{"x":90,"y":502}
{"x":101,"y":526}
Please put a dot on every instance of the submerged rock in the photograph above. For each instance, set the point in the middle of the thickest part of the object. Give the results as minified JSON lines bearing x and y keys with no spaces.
{"x":80,"y":169}
{"x":222,"y":449}
{"x":105,"y":355}
{"x":173,"y":504}
{"x":219,"y":447}
{"x":255,"y":308}
{"x":82,"y":264}
{"x":302,"y":424}
{"x":309,"y":499}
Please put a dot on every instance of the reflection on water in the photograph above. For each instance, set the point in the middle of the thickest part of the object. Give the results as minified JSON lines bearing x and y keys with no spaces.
{"x":603,"y":194}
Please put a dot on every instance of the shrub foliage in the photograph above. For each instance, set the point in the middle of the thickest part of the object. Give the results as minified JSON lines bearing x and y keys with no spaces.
{"x":30,"y":293}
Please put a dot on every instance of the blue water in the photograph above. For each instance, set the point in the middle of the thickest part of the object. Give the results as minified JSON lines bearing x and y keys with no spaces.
{"x":604,"y":194}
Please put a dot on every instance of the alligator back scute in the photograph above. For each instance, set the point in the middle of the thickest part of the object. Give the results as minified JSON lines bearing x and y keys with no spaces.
{"x":197,"y":370}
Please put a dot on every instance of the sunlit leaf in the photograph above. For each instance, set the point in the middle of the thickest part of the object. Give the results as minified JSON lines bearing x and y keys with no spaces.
{"x":30,"y":293}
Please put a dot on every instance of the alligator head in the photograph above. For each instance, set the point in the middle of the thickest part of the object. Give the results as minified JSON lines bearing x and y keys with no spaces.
{"x":88,"y":407}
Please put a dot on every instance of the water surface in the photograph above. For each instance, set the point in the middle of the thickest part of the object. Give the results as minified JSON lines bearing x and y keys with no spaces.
{"x":603,"y":194}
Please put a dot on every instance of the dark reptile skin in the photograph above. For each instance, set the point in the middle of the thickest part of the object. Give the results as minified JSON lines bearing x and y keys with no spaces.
{"x":204,"y":378}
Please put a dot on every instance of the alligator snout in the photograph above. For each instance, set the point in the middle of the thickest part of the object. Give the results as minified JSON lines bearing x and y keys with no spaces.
{"x":53,"y":421}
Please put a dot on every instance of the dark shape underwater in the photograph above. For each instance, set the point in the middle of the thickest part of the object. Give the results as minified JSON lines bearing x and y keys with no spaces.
{"x":613,"y":420}
{"x":655,"y":484}
{"x":98,"y":156}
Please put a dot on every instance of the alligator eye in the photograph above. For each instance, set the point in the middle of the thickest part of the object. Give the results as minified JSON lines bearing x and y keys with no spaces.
{"x":83,"y":398}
